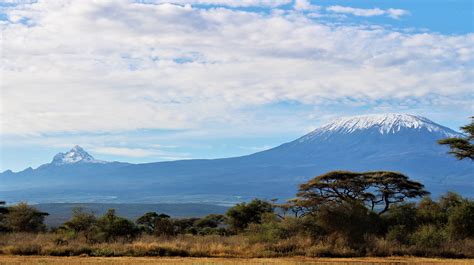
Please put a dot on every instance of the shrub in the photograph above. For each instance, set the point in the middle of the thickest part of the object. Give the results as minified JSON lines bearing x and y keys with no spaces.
{"x":302,"y":226}
{"x":25,"y":218}
{"x":398,"y":233}
{"x":430,"y":212}
{"x":461,"y":221}
{"x":212,"y":221}
{"x":81,"y":222}
{"x":112,"y":227}
{"x":351,"y":220}
{"x":267,"y":231}
{"x":449,"y":200}
{"x":243,"y":214}
{"x":428,"y":236}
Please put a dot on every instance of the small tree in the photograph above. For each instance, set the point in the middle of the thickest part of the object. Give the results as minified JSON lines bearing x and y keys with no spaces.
{"x":462,"y":147}
{"x":211,"y":221}
{"x":350,"y":219}
{"x":461,"y":220}
{"x":25,"y":218}
{"x":401,"y":221}
{"x":147,"y":222}
{"x":112,"y":227}
{"x":241,"y":215}
{"x":81,"y":222}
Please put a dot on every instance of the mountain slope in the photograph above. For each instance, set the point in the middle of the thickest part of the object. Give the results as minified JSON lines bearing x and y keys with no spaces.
{"x":399,"y":142}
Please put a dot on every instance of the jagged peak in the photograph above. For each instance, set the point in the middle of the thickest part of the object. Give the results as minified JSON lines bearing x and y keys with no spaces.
{"x":76,"y":155}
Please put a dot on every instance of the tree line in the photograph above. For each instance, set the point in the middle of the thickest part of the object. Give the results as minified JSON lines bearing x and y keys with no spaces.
{"x":351,"y":205}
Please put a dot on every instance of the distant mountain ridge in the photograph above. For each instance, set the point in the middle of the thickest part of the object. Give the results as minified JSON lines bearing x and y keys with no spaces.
{"x":398,"y":142}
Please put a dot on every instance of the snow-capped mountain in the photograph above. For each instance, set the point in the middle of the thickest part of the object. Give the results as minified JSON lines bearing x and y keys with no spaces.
{"x":398,"y":142}
{"x":384,"y":124}
{"x":75,"y":155}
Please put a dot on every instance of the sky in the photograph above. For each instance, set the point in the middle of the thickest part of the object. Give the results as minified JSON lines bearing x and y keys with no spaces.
{"x":145,"y":81}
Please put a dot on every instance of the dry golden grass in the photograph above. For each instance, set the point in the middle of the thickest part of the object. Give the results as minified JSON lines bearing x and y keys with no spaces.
{"x":201,"y":261}
{"x":217,"y":247}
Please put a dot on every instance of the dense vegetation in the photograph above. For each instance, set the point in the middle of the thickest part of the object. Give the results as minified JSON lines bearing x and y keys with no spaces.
{"x":336,"y":214}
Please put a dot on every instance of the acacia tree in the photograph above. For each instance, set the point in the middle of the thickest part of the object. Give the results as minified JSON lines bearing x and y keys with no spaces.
{"x":462,"y":147}
{"x":154,"y":223}
{"x":388,"y":187}
{"x":378,"y":188}
{"x":25,"y":218}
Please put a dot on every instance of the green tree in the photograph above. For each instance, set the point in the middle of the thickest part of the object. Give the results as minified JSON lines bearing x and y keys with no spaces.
{"x":373,"y":189}
{"x":462,"y":148}
{"x":111,"y":227}
{"x":185,"y":226}
{"x":401,"y":221}
{"x":150,"y":222}
{"x":449,"y":201}
{"x":430,"y":212}
{"x":25,"y":218}
{"x":461,"y":221}
{"x":211,"y":220}
{"x":81,"y":222}
{"x":351,"y":219}
{"x":243,"y":214}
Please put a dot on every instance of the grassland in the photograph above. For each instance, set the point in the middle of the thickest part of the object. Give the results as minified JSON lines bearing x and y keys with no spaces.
{"x":239,"y":246}
{"x":202,"y":261}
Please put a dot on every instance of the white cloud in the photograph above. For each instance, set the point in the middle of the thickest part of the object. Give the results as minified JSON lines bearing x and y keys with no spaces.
{"x":230,"y":3}
{"x":368,"y":12}
{"x":396,"y":13}
{"x":305,"y":5}
{"x":138,"y":152}
{"x":122,"y":151}
{"x":87,"y":66}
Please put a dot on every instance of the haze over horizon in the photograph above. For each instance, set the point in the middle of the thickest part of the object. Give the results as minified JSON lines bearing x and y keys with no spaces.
{"x":167,"y":80}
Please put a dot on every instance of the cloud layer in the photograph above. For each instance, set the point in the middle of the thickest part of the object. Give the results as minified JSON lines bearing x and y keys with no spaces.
{"x":368,"y":12}
{"x":100,"y":66}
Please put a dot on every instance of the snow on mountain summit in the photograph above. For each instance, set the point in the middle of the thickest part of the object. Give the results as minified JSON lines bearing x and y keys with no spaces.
{"x":384,"y":124}
{"x":75,"y":155}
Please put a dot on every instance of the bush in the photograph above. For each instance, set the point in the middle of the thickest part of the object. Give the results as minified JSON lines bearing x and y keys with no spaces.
{"x":25,"y":218}
{"x":351,"y":220}
{"x":267,"y":231}
{"x":430,"y":212}
{"x":306,"y":226}
{"x":243,"y":214}
{"x":81,"y":222}
{"x":402,"y":215}
{"x":428,"y":236}
{"x":461,"y":221}
{"x":401,"y":221}
{"x":399,"y":233}
{"x":111,"y":227}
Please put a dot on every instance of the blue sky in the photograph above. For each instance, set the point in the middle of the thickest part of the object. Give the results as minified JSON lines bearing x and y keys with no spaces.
{"x":144,"y":81}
